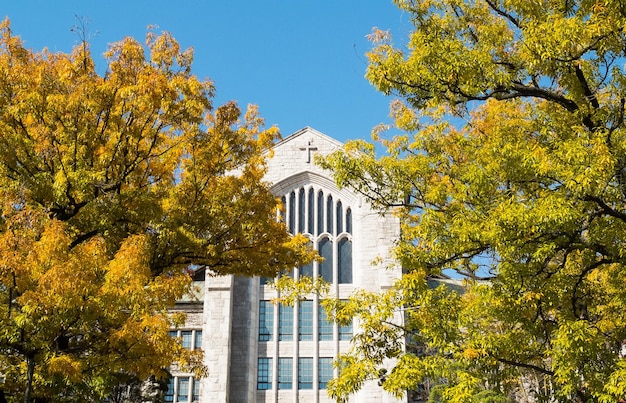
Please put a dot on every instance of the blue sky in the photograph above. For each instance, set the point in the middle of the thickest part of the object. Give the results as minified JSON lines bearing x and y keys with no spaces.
{"x":301,"y":61}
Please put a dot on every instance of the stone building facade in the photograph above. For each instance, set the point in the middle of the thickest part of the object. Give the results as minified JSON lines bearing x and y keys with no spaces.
{"x":257,"y":351}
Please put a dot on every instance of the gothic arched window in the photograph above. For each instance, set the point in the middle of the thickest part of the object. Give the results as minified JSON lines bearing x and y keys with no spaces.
{"x":329,"y":214}
{"x":320,"y":212}
{"x":291,"y":213}
{"x":326,"y":267}
{"x":311,"y":216}
{"x":339,"y":217}
{"x":301,"y":204}
{"x":344,"y":258}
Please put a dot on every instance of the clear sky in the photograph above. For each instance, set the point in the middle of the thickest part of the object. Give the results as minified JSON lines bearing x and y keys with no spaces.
{"x":301,"y":61}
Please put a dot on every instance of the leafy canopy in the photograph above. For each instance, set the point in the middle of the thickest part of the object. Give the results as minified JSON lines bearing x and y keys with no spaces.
{"x":112,"y":188}
{"x":510,"y":172}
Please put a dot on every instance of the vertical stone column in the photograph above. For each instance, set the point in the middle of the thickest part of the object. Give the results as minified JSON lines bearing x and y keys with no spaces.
{"x":218,"y":304}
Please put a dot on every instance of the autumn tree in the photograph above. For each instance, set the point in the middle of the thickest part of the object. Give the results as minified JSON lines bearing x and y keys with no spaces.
{"x":113,"y":188}
{"x":507,"y":168}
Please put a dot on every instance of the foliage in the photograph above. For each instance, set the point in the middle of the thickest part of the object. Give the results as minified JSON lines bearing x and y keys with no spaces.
{"x":510,"y":173}
{"x":113,"y":187}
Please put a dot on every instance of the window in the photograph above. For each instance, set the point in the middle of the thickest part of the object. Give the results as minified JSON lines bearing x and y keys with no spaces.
{"x":344,"y":261}
{"x":169,"y":393}
{"x":349,"y":221}
{"x":329,"y":214}
{"x":182,"y":395}
{"x":285,"y":322}
{"x":266,"y":320}
{"x":195,"y":397}
{"x":311,"y":214}
{"x":186,"y":336}
{"x":291,"y":213}
{"x":190,"y":339}
{"x":325,"y":372}
{"x":326,"y":267}
{"x":284,"y":209}
{"x":345,"y":332}
{"x":305,"y":373}
{"x":305,"y":320}
{"x":324,"y":325}
{"x":285,"y":373}
{"x":339,"y":218}
{"x":264,"y":374}
{"x":307,"y":269}
{"x":301,"y":215}
{"x":320,"y":212}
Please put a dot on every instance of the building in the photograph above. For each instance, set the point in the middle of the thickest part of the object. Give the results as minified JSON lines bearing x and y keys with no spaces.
{"x":257,"y":351}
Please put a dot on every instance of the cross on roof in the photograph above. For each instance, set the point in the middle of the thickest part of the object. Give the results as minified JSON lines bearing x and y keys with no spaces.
{"x":308,"y":148}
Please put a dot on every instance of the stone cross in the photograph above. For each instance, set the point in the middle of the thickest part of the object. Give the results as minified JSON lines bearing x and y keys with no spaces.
{"x":308,"y":148}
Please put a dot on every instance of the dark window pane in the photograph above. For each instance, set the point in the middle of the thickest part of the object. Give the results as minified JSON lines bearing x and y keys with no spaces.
{"x":169,"y":393}
{"x":344,"y":251}
{"x":349,"y":221}
{"x":291,"y":212}
{"x":320,"y":212}
{"x":266,"y":320}
{"x":339,"y":217}
{"x":301,"y":215}
{"x":284,"y":209}
{"x":326,"y":267}
{"x":311,"y":215}
{"x":329,"y":214}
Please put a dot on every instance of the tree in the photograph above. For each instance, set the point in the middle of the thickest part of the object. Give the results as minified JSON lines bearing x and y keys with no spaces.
{"x":508,"y":173}
{"x":115,"y":188}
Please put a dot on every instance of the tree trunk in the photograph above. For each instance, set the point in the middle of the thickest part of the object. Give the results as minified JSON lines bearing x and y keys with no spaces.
{"x":30,"y":371}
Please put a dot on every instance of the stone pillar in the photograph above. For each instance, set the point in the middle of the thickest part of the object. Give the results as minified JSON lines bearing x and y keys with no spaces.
{"x":218,"y":303}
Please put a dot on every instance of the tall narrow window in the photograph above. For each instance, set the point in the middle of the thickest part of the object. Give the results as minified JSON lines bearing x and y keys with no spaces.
{"x":285,"y":322}
{"x":305,"y":373}
{"x":324,"y":325}
{"x":339,"y":217}
{"x":291,"y":212}
{"x":344,"y":258}
{"x":186,"y":336}
{"x":182,"y":394}
{"x":311,"y":215}
{"x":169,"y":393}
{"x":264,"y":374}
{"x":325,"y":372}
{"x":345,"y":332}
{"x":307,"y":269}
{"x":320,"y":212}
{"x":195,"y":396}
{"x":329,"y":214}
{"x":285,"y":373}
{"x":326,"y":267}
{"x":197,"y":344}
{"x":266,"y":320}
{"x":305,"y":320}
{"x":349,"y":221}
{"x":301,"y":215}
{"x":284,"y":209}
